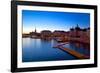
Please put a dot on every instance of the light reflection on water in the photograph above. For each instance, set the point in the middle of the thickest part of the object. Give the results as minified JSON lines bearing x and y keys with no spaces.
{"x":41,"y":50}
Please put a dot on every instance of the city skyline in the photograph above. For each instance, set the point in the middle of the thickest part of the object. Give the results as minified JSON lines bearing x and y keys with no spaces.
{"x":47,"y":20}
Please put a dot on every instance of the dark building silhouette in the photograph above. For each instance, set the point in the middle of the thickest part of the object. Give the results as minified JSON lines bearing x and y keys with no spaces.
{"x":79,"y":35}
{"x":33,"y":34}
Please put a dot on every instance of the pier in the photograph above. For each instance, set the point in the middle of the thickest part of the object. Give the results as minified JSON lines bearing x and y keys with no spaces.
{"x":72,"y":52}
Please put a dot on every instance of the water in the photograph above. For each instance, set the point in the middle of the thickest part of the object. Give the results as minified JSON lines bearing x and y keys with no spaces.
{"x":81,"y":49}
{"x":35,"y":50}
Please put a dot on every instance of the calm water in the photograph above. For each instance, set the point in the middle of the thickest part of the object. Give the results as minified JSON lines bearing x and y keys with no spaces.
{"x":40,"y":50}
{"x":81,"y":49}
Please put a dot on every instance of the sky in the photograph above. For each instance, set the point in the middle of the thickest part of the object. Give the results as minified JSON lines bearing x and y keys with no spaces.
{"x":49,"y":20}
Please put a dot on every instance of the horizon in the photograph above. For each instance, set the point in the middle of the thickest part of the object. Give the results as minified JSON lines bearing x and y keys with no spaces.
{"x":50,"y":31}
{"x":49,"y":20}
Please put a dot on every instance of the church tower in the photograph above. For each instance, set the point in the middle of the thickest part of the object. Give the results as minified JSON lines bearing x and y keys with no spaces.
{"x":77,"y":27}
{"x":35,"y":30}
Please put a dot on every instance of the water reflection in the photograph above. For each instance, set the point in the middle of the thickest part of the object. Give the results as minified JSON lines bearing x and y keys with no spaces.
{"x":42,"y":50}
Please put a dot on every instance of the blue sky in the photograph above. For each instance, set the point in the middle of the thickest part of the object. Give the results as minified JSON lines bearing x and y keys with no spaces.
{"x":47,"y":20}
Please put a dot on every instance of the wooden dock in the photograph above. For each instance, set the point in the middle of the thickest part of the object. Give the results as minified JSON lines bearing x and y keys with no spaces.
{"x":72,"y":52}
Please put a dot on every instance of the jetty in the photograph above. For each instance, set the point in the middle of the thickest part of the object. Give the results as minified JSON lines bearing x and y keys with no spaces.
{"x":72,"y":52}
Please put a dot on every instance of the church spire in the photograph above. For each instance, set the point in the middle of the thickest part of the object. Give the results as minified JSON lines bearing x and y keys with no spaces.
{"x":77,"y":25}
{"x":35,"y":30}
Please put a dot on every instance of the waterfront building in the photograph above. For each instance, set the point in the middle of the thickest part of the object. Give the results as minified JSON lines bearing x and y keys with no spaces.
{"x":80,"y":36}
{"x":60,"y":35}
{"x":46,"y":34}
{"x":33,"y":34}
